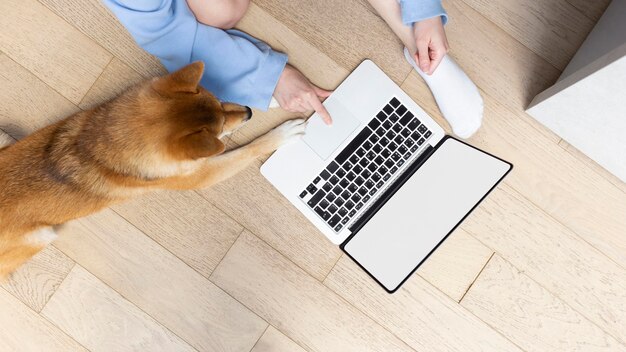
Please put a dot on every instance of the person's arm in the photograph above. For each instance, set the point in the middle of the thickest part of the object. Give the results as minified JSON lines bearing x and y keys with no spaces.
{"x":427,"y":17}
{"x":419,"y":10}
{"x":238,"y":68}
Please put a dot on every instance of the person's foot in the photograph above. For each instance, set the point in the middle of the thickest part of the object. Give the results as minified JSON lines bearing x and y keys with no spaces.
{"x":457,"y":96}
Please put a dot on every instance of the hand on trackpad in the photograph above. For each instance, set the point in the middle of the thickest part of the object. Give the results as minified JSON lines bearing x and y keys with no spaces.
{"x":324,"y":139}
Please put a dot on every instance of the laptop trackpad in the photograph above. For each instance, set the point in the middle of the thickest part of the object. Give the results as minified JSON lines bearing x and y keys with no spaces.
{"x":325,"y":139}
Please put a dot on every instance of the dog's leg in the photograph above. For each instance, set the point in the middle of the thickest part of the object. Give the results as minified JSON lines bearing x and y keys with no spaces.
{"x":14,"y":254}
{"x":228,"y":164}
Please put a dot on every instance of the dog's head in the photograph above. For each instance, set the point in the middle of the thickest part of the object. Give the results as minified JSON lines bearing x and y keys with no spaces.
{"x":188,"y":118}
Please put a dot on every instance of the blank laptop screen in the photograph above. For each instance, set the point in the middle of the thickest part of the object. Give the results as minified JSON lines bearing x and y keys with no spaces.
{"x":424,"y":211}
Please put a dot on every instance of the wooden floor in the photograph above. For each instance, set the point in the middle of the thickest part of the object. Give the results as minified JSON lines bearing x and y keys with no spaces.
{"x":539,"y":266}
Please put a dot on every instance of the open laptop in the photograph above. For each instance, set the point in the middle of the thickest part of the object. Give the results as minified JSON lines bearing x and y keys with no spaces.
{"x":384,"y":182}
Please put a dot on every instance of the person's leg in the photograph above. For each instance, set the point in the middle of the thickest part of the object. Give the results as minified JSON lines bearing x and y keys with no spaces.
{"x":219,"y":13}
{"x":457,"y":96}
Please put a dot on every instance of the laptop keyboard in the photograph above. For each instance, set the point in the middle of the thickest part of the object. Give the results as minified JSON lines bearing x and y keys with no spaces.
{"x":365,"y":165}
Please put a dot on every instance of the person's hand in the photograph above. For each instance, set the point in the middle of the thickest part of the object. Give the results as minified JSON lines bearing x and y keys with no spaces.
{"x":432,"y":44}
{"x":295,"y":93}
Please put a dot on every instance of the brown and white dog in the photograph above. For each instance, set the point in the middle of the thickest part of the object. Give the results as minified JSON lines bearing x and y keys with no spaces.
{"x":161,"y":134}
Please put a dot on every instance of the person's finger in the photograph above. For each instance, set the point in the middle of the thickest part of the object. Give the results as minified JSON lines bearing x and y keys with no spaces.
{"x":322,"y":93}
{"x":436,"y":56}
{"x":422,"y":56}
{"x":317,"y":105}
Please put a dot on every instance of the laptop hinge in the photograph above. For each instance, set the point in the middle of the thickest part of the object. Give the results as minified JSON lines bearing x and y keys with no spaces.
{"x":390,"y":191}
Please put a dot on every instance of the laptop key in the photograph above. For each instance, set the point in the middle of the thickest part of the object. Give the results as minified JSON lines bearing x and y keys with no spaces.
{"x":399,"y":139}
{"x":413,"y":124}
{"x":376,"y":177}
{"x":359,"y":181}
{"x":311,"y":188}
{"x":334,"y":179}
{"x":322,"y":213}
{"x":353,"y":145}
{"x":393,"y":170}
{"x":327,"y":187}
{"x":325,"y":175}
{"x":343,"y":211}
{"x":345,"y":220}
{"x":357,"y":169}
{"x":421,"y":141}
{"x":355,"y":198}
{"x":366,"y":173}
{"x":422,"y":128}
{"x":360,"y":152}
{"x":374,"y":138}
{"x":359,"y":206}
{"x":402,"y":149}
{"x":409,"y":142}
{"x":388,"y":109}
{"x":379,"y":184}
{"x":344,"y":183}
{"x":316,"y":180}
{"x":372,"y":167}
{"x":369,"y":184}
{"x":353,"y":159}
{"x":351,"y":176}
{"x":405,"y":133}
{"x":373,"y":191}
{"x":377,"y":148}
{"x":324,"y":204}
{"x":427,"y":134}
{"x":346,"y":194}
{"x":379,"y":160}
{"x":389,"y":163}
{"x":368,"y":145}
{"x":394,"y":117}
{"x":366,"y":198}
{"x":386,"y":153}
{"x":370,"y":155}
{"x":337,"y":190}
{"x":387,"y":125}
{"x":341,"y":173}
{"x":397,"y":128}
{"x":406,"y":156}
{"x":351,"y":214}
{"x":384,"y":141}
{"x":338,"y":228}
{"x":386,"y":177}
{"x":396,"y":156}
{"x":303,"y":194}
{"x":352,"y":188}
{"x":381,"y":116}
{"x":364,"y":162}
{"x":347,"y":166}
{"x":349,"y":204}
{"x":380,"y":131}
{"x":394,"y":102}
{"x":400,"y":163}
{"x":362,"y":191}
{"x":374,"y":123}
{"x":401,"y":110}
{"x":414,"y":148}
{"x":382,"y":170}
{"x":332,"y":167}
{"x":334,"y":220}
{"x":406,"y":118}
{"x":390,"y":134}
{"x":332,"y":209}
{"x":339,"y":201}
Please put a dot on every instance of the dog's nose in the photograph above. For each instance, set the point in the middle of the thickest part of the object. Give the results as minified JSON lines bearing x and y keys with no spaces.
{"x":248,"y":113}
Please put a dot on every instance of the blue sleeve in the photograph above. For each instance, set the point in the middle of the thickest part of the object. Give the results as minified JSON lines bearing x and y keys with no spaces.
{"x":417,"y":10}
{"x":238,"y":68}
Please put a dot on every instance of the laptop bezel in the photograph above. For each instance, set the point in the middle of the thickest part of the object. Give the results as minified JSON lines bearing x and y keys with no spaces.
{"x":396,"y":186}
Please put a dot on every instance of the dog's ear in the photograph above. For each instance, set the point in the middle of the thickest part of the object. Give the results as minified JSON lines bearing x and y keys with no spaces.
{"x":185,"y":80}
{"x":198,"y":145}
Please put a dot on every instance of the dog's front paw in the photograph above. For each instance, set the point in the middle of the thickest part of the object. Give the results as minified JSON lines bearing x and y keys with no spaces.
{"x":288,"y":132}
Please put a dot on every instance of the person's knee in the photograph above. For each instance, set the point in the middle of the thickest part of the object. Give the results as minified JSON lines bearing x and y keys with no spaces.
{"x":219,"y":14}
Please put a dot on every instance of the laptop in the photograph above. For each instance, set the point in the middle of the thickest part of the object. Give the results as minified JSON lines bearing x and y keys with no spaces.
{"x":383,"y":182}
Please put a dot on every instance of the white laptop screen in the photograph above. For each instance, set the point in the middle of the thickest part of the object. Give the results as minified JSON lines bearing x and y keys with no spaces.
{"x":423,"y":211}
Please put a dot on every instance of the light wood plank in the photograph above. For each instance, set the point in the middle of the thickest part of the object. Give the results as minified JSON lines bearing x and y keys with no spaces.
{"x":160,"y":284}
{"x":37,"y":280}
{"x":186,"y":224}
{"x":26,"y":103}
{"x":275,"y":341}
{"x":254,"y":202}
{"x":529,"y":315}
{"x":592,"y":9}
{"x":552,"y":29}
{"x":455,"y":264}
{"x":547,"y":175}
{"x":588,"y":162}
{"x":296,"y":303}
{"x":46,"y":45}
{"x":418,"y":313}
{"x":347,"y":31}
{"x":94,"y":20}
{"x":115,"y":79}
{"x":102,"y":320}
{"x":553,"y":256}
{"x":24,"y":330}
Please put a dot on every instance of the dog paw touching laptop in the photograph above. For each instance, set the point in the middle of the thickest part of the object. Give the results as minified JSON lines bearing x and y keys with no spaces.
{"x":164,"y":133}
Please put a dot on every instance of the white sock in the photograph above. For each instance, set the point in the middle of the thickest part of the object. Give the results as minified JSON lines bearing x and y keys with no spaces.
{"x":457,"y":96}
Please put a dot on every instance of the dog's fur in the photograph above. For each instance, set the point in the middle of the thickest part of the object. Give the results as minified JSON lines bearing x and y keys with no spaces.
{"x":161,"y":134}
